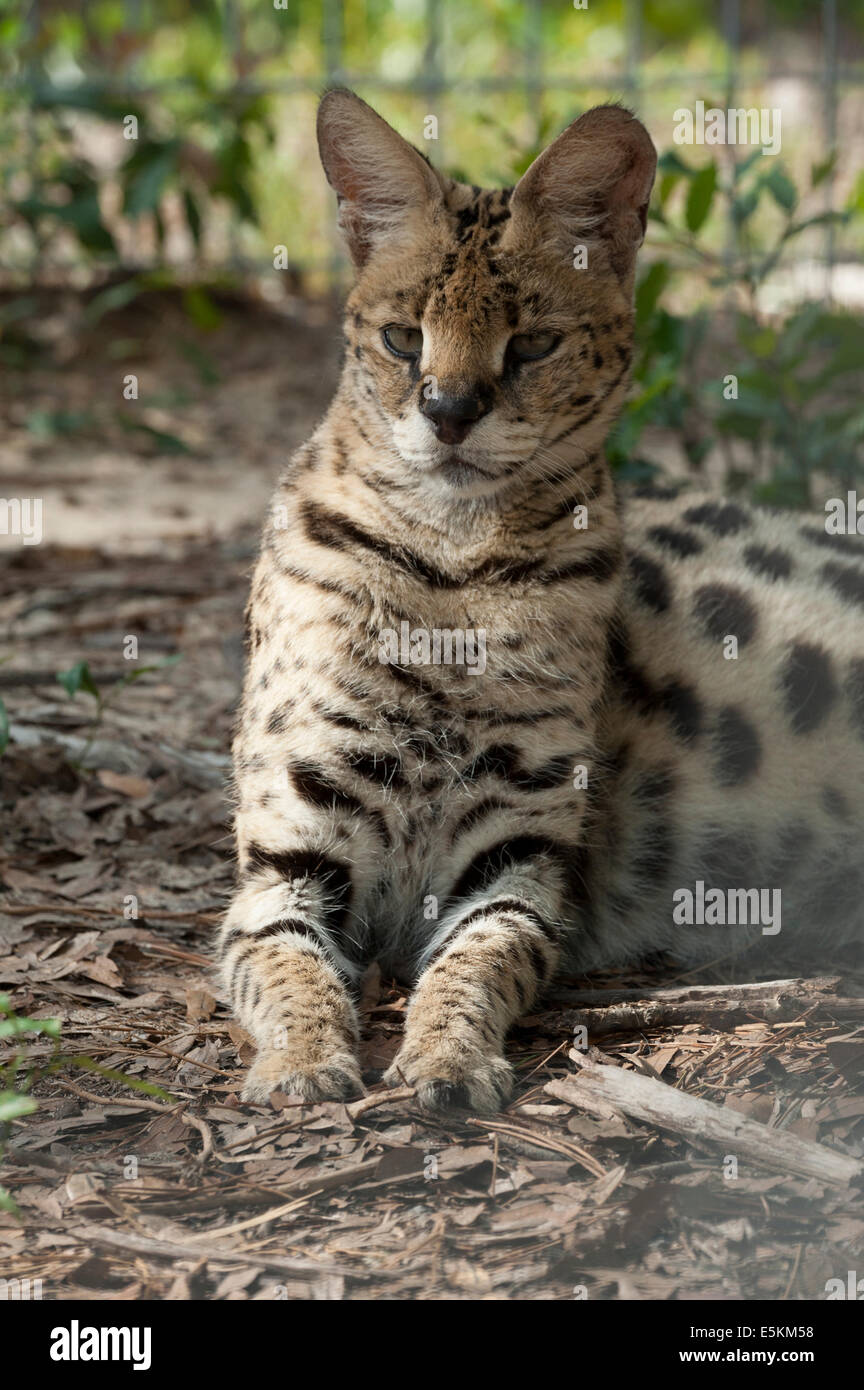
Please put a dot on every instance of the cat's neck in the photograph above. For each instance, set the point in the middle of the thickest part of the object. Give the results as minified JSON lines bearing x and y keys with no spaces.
{"x":544,"y":504}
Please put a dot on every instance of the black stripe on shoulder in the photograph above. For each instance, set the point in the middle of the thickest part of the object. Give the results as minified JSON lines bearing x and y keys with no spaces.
{"x":327,"y":586}
{"x":338,"y":532}
{"x":600,"y":565}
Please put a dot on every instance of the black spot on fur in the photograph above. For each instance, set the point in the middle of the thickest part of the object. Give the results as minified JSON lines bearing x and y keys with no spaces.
{"x":650,"y":582}
{"x":835,"y":803}
{"x":854,"y":687}
{"x":724,"y":611}
{"x":659,"y":492}
{"x":684,"y":708}
{"x":723,"y":518}
{"x":626,"y":679}
{"x":848,"y":583}
{"x":809,"y":687}
{"x":276,"y":721}
{"x":845,"y":545}
{"x":679,"y":542}
{"x":736,"y":748}
{"x":655,"y":788}
{"x":768,"y":564}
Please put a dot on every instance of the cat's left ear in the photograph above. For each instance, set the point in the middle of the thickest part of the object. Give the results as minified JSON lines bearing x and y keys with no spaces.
{"x":592,"y":185}
{"x":385,"y":187}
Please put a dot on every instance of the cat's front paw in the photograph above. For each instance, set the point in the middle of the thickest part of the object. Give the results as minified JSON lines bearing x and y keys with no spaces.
{"x":334,"y":1076}
{"x":453,"y":1078}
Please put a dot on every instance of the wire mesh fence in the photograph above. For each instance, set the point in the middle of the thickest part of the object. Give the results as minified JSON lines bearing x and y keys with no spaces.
{"x":520,"y":68}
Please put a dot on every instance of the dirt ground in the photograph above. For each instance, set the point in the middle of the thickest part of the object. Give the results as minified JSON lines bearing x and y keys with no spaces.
{"x":116,"y":862}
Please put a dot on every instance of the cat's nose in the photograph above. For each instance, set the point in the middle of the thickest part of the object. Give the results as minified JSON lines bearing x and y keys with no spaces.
{"x":452,"y":416}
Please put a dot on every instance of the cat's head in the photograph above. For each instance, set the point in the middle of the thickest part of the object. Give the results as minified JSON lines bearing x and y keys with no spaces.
{"x":489,"y":332}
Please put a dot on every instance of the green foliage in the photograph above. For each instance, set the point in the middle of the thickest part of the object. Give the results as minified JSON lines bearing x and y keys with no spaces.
{"x":18,"y":1075}
{"x":202,"y":77}
{"x":77,"y":678}
{"x":798,"y":406}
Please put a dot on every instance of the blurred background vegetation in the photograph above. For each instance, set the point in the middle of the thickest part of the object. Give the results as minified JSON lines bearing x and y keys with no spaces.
{"x":753,"y":264}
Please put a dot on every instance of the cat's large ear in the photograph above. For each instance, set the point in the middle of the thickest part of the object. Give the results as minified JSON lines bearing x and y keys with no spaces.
{"x":591,"y":185}
{"x":384,"y":186}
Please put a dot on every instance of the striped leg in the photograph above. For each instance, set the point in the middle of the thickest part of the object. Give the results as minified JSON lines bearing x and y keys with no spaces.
{"x":287,"y":964}
{"x":493,"y":955}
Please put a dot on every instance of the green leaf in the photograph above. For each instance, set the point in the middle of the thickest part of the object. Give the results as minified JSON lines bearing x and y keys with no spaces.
{"x":13,"y":1105}
{"x":115,"y":297}
{"x":4,"y":728}
{"x":140,"y":671}
{"x":7,"y":1203}
{"x":739,"y":170}
{"x":651,"y":286}
{"x":819,"y":172}
{"x":13,"y":1027}
{"x":700,"y":196}
{"x":781,"y":188}
{"x":77,"y":678}
{"x":148,"y":172}
{"x":671,"y":163}
{"x":168,"y":443}
{"x":745,"y":206}
{"x":193,"y":216}
{"x":201,"y":309}
{"x":146,"y":1088}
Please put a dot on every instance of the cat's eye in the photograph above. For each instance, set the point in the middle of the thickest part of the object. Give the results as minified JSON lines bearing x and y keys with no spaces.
{"x":403,"y":342}
{"x":527,"y":347}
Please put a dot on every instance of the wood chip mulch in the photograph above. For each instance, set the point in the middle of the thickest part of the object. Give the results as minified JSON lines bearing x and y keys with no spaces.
{"x":115,"y":865}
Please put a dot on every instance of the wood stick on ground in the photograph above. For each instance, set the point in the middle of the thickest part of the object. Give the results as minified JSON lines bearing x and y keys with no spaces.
{"x":174,"y":1250}
{"x":758,"y":989}
{"x":359,"y":1107}
{"x":715,"y":1006}
{"x":598,"y":1088}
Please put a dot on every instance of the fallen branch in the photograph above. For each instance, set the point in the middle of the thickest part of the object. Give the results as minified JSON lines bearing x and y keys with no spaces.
{"x":715,"y":1006}
{"x":359,"y":1107}
{"x":760,"y":989}
{"x":174,"y":1250}
{"x":600,"y":1088}
{"x":537,"y":1143}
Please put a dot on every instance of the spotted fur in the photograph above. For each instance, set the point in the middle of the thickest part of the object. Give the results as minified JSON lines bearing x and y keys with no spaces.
{"x":475,"y":831}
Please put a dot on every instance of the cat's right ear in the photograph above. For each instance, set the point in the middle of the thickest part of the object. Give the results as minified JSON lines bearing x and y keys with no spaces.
{"x":385,"y":188}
